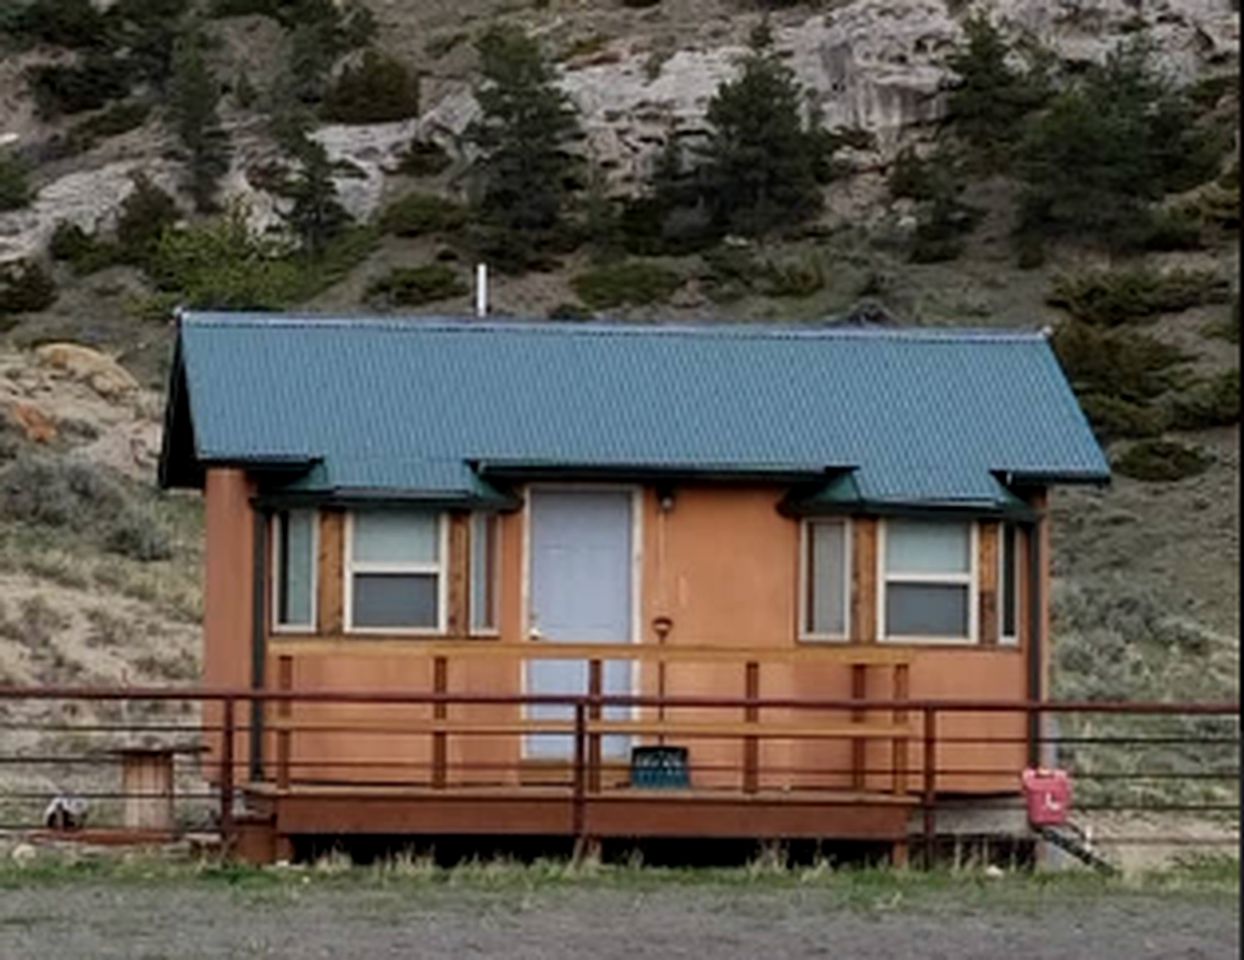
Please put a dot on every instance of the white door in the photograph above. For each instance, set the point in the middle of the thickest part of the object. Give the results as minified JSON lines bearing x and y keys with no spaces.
{"x":581,"y":592}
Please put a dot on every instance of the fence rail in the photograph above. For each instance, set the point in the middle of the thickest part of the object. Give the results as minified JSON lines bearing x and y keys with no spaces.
{"x":140,"y":771}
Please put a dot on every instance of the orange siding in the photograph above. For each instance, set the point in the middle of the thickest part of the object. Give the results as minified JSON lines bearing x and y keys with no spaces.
{"x":229,"y":543}
{"x":458,"y":616}
{"x":1041,"y":503}
{"x":864,"y":580}
{"x":989,"y":545}
{"x":329,"y":598}
{"x":722,"y":565}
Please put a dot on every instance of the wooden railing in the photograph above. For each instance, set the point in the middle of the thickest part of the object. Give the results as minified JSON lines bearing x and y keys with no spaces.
{"x":858,"y":730}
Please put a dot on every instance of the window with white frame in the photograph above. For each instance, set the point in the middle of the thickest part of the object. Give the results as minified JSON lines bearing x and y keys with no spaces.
{"x":485,"y":567}
{"x":826,"y":579}
{"x":293,"y":569}
{"x":395,"y":574}
{"x":1008,"y":586}
{"x":927,"y":583}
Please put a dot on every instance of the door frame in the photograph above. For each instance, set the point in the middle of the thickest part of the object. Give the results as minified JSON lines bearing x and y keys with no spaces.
{"x":636,"y":492}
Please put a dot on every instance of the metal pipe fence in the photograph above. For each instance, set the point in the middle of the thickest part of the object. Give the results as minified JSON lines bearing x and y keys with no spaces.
{"x":1167,"y":772}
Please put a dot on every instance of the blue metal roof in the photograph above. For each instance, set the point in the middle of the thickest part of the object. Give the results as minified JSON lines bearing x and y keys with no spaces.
{"x":429,"y":406}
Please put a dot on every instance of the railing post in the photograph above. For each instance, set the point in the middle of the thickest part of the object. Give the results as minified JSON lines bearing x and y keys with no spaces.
{"x":859,"y":747}
{"x":751,"y":744}
{"x":899,"y":746}
{"x":594,"y":687}
{"x":579,"y":779}
{"x":440,"y":711}
{"x":285,"y":682}
{"x":226,"y":773}
{"x":928,"y":799}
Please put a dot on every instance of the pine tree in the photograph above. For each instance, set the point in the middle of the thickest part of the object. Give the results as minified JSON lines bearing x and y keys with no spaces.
{"x":762,"y":158}
{"x":1118,"y":139}
{"x":15,"y":190}
{"x":671,"y":216}
{"x":315,"y":214}
{"x":993,"y":97}
{"x":193,"y":95}
{"x":144,"y":216}
{"x":379,"y":89}
{"x":525,"y":122}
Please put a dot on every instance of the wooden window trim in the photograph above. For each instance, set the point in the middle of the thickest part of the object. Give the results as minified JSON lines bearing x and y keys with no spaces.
{"x":970,"y":579}
{"x":805,"y":586}
{"x":493,"y":574}
{"x":275,"y":558}
{"x":1013,"y":588}
{"x":440,"y":569}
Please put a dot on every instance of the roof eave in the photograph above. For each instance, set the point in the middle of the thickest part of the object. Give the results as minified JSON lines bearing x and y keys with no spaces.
{"x":1092,"y":478}
{"x":380,"y":497}
{"x":531,"y":470}
{"x":178,"y":466}
{"x":909,"y":508}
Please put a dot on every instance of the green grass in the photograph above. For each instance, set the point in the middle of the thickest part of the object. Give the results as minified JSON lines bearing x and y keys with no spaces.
{"x":852,"y":887}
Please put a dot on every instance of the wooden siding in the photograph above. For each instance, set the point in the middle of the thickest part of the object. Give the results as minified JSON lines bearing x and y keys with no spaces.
{"x":719,"y":567}
{"x":864,"y":580}
{"x":987,"y":583}
{"x":457,"y":568}
{"x":228,"y":592}
{"x":330,"y":576}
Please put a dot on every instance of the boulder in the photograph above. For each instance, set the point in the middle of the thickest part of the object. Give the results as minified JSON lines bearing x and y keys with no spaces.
{"x":100,"y":372}
{"x":37,"y":426}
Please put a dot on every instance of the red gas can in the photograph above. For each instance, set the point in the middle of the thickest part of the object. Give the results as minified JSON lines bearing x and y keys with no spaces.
{"x":1048,"y":793}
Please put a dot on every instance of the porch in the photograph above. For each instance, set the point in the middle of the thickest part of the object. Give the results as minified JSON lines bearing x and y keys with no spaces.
{"x":459,"y":760}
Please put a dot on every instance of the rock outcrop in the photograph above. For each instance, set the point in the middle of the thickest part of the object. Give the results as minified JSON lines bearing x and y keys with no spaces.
{"x":875,"y":65}
{"x":98,"y":370}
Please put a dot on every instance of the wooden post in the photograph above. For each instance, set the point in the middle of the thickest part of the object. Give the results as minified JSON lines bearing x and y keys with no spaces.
{"x":440,"y":711}
{"x":285,"y":711}
{"x":330,"y":601}
{"x":901,"y":744}
{"x":929,"y":794}
{"x":899,"y":759}
{"x":147,"y":786}
{"x":594,"y":686}
{"x":987,"y":588}
{"x":578,"y":799}
{"x":864,"y":580}
{"x":751,"y":714}
{"x":226,"y":774}
{"x":458,"y":614}
{"x":859,"y":746}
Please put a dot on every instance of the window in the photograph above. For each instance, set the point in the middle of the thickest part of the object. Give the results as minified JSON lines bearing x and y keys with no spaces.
{"x":928,"y":583}
{"x":293,"y":569}
{"x":395,"y":579}
{"x":485,"y":564}
{"x":1008,"y":585}
{"x":826,"y":572}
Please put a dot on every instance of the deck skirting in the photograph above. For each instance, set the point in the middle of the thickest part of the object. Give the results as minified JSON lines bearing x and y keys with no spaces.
{"x":525,"y":811}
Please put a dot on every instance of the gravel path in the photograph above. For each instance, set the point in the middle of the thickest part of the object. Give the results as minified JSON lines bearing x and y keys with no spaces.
{"x":98,"y":920}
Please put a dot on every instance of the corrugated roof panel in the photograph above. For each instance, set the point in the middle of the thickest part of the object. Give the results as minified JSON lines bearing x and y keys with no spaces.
{"x":922,"y":414}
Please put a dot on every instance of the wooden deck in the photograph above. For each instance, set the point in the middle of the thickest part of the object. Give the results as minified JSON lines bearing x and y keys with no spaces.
{"x":455,"y":764}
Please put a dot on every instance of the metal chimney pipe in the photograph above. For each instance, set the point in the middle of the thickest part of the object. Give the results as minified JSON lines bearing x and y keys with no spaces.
{"x":481,"y":289}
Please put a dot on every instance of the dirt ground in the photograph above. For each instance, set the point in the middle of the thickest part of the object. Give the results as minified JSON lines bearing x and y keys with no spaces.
{"x":194,"y":919}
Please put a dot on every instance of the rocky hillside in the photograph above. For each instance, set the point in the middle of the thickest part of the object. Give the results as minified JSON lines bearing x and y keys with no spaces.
{"x":98,"y":573}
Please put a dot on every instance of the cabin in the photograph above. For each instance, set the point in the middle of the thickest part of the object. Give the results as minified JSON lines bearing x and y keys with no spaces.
{"x":509,"y":512}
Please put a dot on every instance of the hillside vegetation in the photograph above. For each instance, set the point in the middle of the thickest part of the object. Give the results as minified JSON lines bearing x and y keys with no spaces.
{"x":271,"y":154}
